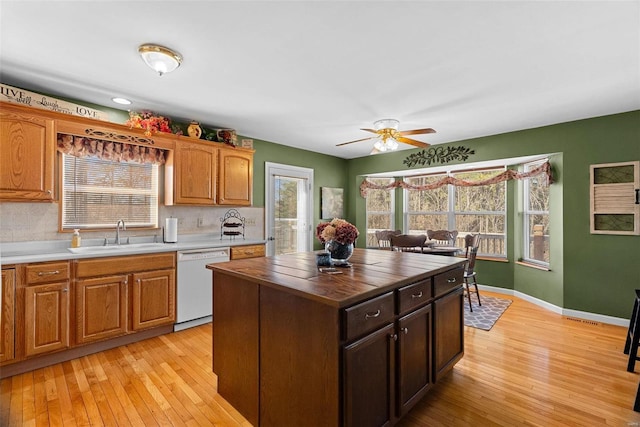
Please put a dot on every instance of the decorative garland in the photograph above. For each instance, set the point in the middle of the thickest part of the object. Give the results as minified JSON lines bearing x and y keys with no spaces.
{"x":543,"y":171}
{"x":438,"y":154}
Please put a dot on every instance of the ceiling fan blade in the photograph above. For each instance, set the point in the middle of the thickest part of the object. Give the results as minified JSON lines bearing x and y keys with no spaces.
{"x":370,"y":130}
{"x":417,"y":131}
{"x":357,"y":140}
{"x":413,"y":142}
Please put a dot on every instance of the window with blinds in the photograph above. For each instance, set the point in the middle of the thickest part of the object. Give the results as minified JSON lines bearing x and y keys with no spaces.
{"x":97,"y":193}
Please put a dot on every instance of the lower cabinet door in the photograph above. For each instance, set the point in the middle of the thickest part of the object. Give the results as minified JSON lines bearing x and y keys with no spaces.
{"x":368,"y":379}
{"x":414,"y":358}
{"x":46,"y":318}
{"x":153,"y":299}
{"x":101,"y":308}
{"x":448,"y":331}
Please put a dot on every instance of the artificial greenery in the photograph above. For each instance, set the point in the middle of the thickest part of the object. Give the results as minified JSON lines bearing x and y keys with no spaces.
{"x":438,"y":155}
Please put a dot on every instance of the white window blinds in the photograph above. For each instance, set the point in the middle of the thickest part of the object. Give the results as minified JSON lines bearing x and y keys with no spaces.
{"x":97,"y":193}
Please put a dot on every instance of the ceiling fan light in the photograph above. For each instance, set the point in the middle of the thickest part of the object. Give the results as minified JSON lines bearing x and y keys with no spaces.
{"x":159,"y":58}
{"x":380,"y":145}
{"x":386,"y":124}
{"x":392,"y":144}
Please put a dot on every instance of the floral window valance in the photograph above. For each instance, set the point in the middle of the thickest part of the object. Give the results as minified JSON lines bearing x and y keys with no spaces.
{"x":544,"y":170}
{"x":81,"y":146}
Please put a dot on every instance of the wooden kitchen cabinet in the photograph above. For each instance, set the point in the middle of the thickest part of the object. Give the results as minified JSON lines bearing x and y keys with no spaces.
{"x":46,"y":307}
{"x":27,"y":155}
{"x":235,"y":177}
{"x":138,"y":287}
{"x":153,"y":299}
{"x":196,"y":168}
{"x":210,"y":174}
{"x":101,"y":308}
{"x":7,"y":315}
{"x":248,"y":251}
{"x":448,"y":332}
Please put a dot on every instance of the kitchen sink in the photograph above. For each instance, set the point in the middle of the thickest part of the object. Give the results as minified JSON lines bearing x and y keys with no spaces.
{"x":113,"y":248}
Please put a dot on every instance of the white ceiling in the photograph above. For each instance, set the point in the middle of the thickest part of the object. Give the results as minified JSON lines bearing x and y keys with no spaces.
{"x":310,"y":74}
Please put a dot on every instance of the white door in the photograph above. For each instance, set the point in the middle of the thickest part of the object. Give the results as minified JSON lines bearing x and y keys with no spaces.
{"x":289,"y":208}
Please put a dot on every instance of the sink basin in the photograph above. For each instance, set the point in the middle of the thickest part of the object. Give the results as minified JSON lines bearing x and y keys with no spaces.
{"x":113,"y":248}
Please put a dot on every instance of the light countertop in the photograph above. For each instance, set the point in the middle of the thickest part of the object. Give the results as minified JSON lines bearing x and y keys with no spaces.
{"x":58,"y":250}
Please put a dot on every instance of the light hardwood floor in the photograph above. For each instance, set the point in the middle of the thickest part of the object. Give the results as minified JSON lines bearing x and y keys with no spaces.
{"x":533,"y":368}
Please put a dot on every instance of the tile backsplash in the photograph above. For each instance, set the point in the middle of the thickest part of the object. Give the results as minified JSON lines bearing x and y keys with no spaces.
{"x":20,"y":222}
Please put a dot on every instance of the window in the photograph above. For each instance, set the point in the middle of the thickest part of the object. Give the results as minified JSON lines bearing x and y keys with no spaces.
{"x":97,"y":193}
{"x":427,"y":209}
{"x":481,"y":209}
{"x":380,"y":210}
{"x":478,"y":209}
{"x":536,"y":218}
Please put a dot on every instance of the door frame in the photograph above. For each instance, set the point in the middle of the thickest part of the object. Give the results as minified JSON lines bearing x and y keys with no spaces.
{"x":270,"y":170}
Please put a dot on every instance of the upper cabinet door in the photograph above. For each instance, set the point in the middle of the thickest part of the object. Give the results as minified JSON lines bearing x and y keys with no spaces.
{"x":195,"y":173}
{"x":235,"y":177}
{"x":27,"y":154}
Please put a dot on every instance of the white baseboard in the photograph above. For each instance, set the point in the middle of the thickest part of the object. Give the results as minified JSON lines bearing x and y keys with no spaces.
{"x":559,"y":310}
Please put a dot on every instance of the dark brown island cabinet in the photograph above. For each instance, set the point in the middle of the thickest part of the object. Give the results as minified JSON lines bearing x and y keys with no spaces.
{"x":293,"y":346}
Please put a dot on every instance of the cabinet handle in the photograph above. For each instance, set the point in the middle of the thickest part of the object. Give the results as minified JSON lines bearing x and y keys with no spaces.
{"x":65,"y":290}
{"x":48,"y":273}
{"x":452,"y":280}
{"x":418,"y":295}
{"x":249,"y":252}
{"x":370,"y":315}
{"x":405,"y":330}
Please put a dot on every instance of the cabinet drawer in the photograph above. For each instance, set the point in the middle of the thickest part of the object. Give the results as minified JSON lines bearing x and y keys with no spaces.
{"x":414,"y":295}
{"x":251,"y":251}
{"x":47,"y":272}
{"x":368,"y":316}
{"x":447,"y":281}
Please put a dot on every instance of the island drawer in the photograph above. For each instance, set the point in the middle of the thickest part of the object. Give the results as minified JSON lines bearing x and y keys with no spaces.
{"x":47,"y":272}
{"x":414,"y":295}
{"x":447,"y":281}
{"x":368,"y":316}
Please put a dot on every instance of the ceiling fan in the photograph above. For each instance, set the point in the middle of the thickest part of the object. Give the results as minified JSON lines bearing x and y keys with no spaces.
{"x":388,"y":136}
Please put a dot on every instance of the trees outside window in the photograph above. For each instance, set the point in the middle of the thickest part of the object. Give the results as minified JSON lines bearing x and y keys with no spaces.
{"x":536,"y":218}
{"x":380,"y":210}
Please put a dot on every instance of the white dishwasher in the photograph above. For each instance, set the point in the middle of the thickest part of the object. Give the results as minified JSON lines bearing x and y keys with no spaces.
{"x":195,"y":290}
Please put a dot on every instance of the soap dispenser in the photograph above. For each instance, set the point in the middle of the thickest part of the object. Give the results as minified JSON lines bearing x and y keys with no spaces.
{"x":76,"y":240}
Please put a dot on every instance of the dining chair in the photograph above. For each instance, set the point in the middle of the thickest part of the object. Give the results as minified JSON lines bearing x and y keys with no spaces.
{"x":384,"y":238}
{"x":407,"y":242}
{"x":443,"y":237}
{"x":472,"y":242}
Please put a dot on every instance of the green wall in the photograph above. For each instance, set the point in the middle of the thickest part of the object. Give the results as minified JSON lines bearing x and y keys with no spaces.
{"x":593,"y":273}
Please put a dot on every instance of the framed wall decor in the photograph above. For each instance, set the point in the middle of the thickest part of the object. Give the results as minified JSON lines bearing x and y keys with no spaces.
{"x":331,"y":203}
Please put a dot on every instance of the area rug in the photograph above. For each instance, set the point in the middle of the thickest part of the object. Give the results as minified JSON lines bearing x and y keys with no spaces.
{"x":485,"y":315}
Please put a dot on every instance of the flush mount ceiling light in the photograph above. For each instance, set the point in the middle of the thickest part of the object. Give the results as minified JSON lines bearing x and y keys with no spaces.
{"x":121,"y":101}
{"x":161,"y":59}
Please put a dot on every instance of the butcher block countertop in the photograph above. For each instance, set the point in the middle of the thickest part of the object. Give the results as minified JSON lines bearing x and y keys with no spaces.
{"x":373,"y":272}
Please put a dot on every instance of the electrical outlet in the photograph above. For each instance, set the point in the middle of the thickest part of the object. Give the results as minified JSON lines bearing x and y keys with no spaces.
{"x":200,"y":221}
{"x":250,"y":221}
{"x":180,"y":221}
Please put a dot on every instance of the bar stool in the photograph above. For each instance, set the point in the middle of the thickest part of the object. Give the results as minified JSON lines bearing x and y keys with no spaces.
{"x":633,"y":335}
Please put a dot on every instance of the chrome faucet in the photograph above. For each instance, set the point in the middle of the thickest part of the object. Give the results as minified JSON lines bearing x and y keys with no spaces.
{"x":124,"y":227}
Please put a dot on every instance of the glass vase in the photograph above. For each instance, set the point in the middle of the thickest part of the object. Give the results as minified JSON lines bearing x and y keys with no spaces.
{"x":340,"y":253}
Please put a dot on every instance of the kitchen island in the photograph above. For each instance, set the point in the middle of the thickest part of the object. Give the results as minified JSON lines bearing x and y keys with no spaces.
{"x":296,"y":346}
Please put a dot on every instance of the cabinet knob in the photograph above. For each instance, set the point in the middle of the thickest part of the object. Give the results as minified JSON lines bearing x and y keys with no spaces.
{"x":65,"y":290}
{"x":418,"y":295}
{"x":394,"y":337}
{"x":371,"y":315}
{"x":405,"y":330}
